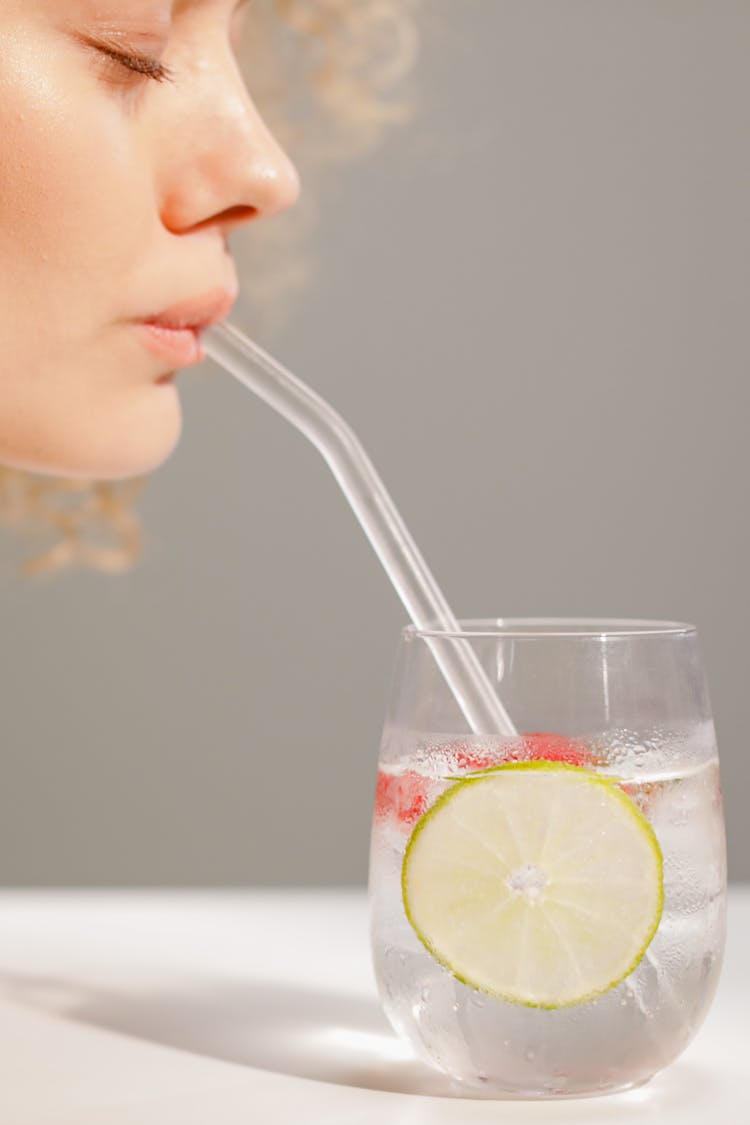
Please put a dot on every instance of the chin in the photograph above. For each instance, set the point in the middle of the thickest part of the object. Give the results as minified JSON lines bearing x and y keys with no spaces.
{"x":134,"y":452}
{"x":128,"y":443}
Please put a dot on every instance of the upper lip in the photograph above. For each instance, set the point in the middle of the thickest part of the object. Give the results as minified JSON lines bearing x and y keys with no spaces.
{"x":196,"y":312}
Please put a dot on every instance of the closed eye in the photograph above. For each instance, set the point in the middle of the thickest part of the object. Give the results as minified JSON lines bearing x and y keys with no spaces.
{"x":144,"y":65}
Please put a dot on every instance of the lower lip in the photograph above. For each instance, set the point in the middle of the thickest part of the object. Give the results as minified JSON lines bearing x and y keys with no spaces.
{"x":181,"y":346}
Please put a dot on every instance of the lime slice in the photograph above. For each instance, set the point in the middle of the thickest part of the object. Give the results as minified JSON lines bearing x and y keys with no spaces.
{"x":538,"y":882}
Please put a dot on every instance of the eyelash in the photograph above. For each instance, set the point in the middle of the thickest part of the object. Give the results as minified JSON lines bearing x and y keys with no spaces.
{"x":142,"y":65}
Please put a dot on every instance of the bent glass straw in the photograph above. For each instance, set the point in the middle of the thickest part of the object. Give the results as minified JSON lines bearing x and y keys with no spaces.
{"x":374,"y":509}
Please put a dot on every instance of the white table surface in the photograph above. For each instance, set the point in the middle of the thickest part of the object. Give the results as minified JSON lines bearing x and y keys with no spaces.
{"x":242,"y":1007}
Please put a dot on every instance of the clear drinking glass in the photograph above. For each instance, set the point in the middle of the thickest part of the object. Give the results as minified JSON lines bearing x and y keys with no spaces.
{"x":548,"y":910}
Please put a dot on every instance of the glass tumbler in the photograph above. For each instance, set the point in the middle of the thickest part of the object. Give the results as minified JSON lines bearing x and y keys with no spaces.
{"x":548,"y":909}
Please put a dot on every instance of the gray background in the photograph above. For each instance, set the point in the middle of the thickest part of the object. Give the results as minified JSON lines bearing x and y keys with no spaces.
{"x":532,"y":305}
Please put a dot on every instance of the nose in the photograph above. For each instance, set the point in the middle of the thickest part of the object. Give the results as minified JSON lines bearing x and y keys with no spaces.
{"x":224,"y":167}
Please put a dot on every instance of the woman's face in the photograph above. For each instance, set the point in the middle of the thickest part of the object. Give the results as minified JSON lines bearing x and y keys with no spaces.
{"x":119,"y":184}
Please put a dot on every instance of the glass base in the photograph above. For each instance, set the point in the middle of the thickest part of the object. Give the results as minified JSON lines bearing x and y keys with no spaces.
{"x":463,"y":1088}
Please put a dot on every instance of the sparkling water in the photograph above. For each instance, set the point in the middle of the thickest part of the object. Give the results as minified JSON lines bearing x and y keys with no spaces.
{"x":619,"y":1038}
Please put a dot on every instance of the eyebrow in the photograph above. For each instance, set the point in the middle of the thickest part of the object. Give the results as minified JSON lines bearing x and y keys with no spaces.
{"x":239,"y":4}
{"x":199,"y":3}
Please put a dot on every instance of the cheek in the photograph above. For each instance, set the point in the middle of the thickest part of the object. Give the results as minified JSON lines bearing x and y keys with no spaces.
{"x":74,"y":192}
{"x":76,"y":218}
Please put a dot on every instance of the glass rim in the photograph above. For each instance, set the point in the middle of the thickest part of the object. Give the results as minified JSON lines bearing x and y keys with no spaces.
{"x":543,"y":627}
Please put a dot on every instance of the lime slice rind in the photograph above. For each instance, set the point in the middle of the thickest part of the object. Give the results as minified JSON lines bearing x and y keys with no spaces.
{"x":636,"y":832}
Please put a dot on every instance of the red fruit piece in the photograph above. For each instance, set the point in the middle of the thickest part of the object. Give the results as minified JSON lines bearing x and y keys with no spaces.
{"x":467,"y":759}
{"x":545,"y":747}
{"x":534,"y":747}
{"x":406,"y":796}
{"x":401,"y":795}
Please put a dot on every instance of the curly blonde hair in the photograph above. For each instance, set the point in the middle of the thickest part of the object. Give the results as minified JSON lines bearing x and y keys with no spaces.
{"x":352,"y":55}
